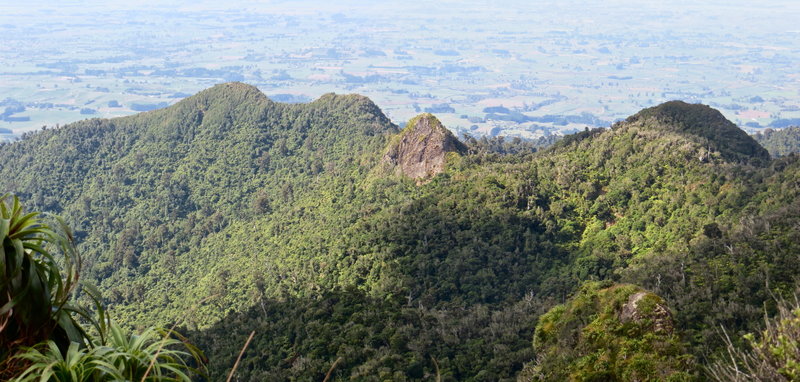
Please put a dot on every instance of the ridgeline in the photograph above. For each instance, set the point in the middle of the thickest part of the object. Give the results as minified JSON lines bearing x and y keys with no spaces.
{"x":282,"y":218}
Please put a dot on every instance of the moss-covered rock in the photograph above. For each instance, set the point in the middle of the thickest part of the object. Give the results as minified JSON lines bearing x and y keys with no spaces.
{"x":609,"y":332}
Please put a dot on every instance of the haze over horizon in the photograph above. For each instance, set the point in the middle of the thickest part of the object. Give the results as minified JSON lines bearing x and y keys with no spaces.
{"x":590,"y":63}
{"x":400,"y":191}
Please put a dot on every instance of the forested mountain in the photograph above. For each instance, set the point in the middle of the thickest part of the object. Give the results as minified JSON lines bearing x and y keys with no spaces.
{"x":780,"y":142}
{"x":229,"y":213}
{"x":703,"y":125}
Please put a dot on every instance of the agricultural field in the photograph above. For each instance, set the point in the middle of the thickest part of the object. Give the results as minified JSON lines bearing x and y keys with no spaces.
{"x":528,"y":69}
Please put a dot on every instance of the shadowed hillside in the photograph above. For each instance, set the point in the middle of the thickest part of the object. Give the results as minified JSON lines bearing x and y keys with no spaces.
{"x":706,"y":126}
{"x":256,"y":215}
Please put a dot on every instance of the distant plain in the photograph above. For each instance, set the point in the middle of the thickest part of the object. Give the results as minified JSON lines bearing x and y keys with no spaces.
{"x":521,"y":69}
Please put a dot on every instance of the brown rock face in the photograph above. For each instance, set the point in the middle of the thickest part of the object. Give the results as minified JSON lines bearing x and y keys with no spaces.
{"x":420,"y":150}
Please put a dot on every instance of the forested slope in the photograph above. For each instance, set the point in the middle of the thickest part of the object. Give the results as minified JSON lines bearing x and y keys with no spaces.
{"x":143,"y":192}
{"x":780,"y":142}
{"x":254,"y":215}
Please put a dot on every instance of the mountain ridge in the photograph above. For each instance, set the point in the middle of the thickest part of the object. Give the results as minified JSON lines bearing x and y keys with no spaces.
{"x":259,"y":214}
{"x":705,"y":123}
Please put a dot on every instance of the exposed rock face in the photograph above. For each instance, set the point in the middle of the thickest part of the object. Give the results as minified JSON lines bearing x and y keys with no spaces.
{"x":644,"y":305}
{"x":420,"y":150}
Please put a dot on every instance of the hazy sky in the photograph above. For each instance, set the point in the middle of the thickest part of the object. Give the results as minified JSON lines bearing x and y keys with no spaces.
{"x":745,"y":17}
{"x":733,"y":49}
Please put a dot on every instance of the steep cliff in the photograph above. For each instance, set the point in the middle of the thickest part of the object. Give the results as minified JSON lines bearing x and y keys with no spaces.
{"x":420,"y":150}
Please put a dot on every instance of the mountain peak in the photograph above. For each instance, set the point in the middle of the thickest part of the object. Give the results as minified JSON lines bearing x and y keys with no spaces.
{"x":703,"y":123}
{"x":231,"y":92}
{"x":681,"y":112}
{"x":357,"y":103}
{"x":233,"y":88}
{"x":420,"y":150}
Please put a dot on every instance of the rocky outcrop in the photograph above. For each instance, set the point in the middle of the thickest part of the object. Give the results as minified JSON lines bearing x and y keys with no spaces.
{"x":609,"y":332}
{"x":420,"y":151}
{"x":647,"y":306}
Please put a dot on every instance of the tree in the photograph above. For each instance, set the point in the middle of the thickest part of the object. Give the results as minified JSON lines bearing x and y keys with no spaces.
{"x":772,"y":356}
{"x":34,"y":292}
{"x":41,"y":338}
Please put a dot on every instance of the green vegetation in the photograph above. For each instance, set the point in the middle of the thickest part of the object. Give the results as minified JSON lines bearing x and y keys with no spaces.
{"x":42,"y":339}
{"x":707,"y":124}
{"x":780,"y":142}
{"x":772,"y":356}
{"x":272,"y":217}
{"x":34,"y":294}
{"x":149,"y":356}
{"x":609,"y":333}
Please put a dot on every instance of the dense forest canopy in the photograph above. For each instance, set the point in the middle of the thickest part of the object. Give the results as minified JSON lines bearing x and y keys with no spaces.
{"x":780,"y":142}
{"x":280,"y":218}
